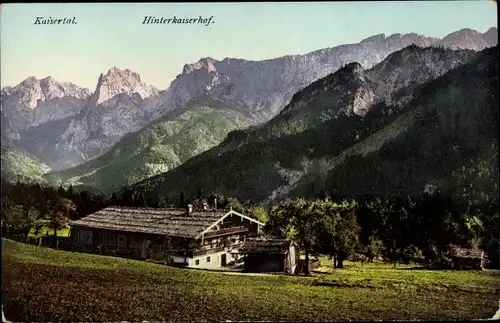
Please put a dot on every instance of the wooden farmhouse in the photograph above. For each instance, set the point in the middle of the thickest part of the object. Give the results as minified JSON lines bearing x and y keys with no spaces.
{"x":192,"y":238}
{"x":270,"y":255}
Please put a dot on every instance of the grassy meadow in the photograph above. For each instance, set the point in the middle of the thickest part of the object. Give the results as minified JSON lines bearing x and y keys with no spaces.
{"x":64,"y":232}
{"x":42,"y":284}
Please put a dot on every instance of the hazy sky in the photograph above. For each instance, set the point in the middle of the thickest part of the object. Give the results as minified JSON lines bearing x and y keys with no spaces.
{"x":109,"y":35}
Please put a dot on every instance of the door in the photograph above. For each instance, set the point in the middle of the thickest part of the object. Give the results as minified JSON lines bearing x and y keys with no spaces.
{"x":223,"y":260}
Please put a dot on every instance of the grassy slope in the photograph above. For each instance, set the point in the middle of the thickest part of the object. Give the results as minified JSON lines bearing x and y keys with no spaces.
{"x":41,"y":284}
{"x":17,"y":164}
{"x":248,"y":167}
{"x":159,"y":147}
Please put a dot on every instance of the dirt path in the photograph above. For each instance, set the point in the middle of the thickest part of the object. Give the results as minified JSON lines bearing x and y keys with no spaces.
{"x":244,"y":274}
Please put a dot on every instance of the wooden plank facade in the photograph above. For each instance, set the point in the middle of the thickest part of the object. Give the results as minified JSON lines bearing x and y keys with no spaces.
{"x":270,"y":255}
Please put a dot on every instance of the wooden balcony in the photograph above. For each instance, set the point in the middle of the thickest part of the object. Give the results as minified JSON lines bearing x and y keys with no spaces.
{"x":206,"y":251}
{"x":235,"y":246}
{"x":226,"y":231}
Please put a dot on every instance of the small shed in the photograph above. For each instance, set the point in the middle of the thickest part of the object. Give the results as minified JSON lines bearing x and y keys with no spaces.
{"x":270,"y":255}
{"x":464,"y":258}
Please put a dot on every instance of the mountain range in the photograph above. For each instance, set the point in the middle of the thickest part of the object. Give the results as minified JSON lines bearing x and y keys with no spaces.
{"x":354,"y":132}
{"x":142,"y":128}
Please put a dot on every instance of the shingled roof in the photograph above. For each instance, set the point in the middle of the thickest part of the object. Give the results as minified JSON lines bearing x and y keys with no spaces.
{"x":169,"y":222}
{"x":256,"y":245}
{"x":468,"y":253}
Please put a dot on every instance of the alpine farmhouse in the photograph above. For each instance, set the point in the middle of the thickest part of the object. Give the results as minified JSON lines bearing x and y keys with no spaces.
{"x":205,"y":238}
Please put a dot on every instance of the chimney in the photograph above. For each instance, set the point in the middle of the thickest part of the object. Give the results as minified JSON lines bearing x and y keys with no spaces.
{"x":189,"y":209}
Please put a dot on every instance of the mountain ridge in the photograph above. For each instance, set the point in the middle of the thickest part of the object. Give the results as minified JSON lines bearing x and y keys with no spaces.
{"x":259,"y":167}
{"x":82,"y":128}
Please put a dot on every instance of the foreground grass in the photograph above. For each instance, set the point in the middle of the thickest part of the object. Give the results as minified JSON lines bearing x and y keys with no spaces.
{"x":41,"y":284}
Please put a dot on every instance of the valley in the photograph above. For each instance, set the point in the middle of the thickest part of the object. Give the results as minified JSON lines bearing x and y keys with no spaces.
{"x":249,"y":168}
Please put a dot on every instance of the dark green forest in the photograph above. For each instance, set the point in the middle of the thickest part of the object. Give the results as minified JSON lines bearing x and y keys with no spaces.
{"x":421,"y":229}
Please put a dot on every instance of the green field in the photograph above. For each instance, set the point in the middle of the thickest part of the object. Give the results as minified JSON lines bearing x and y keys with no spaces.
{"x":49,"y":231}
{"x":42,"y":284}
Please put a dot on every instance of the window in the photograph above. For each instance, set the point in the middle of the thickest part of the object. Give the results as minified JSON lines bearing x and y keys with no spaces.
{"x":208,"y":259}
{"x":197,"y":262}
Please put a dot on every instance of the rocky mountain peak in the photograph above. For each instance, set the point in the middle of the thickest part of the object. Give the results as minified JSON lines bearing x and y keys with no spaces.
{"x":353,"y":67}
{"x":48,"y":80}
{"x":399,"y":40}
{"x":117,"y":81}
{"x":376,"y":39}
{"x":29,"y":81}
{"x":491,"y":36}
{"x":206,"y":63}
{"x":350,"y":72}
{"x":257,"y":89}
{"x":31,"y":90}
{"x":116,"y":72}
{"x":464,"y":38}
{"x":52,"y":89}
{"x":353,"y":90}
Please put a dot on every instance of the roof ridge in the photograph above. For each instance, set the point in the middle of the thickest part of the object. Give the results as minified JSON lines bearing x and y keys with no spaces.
{"x":163,"y":221}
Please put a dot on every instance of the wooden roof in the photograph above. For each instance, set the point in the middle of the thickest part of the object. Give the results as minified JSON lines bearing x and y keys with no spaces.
{"x":259,"y":245}
{"x":468,"y":253}
{"x":169,"y":222}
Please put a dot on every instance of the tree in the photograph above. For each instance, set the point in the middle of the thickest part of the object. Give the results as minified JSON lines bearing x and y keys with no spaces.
{"x":369,"y":242}
{"x":438,"y":226}
{"x":298,"y":216}
{"x":58,"y":212}
{"x":166,"y":252}
{"x":188,"y":246}
{"x":182,"y":200}
{"x":258,"y":212}
{"x":490,"y":239}
{"x":139,"y":200}
{"x":19,"y":208}
{"x":31,"y":213}
{"x":337,"y":231}
{"x":372,"y":248}
{"x":113,"y":200}
{"x":61,"y":191}
{"x":126,"y":197}
{"x":393,"y":217}
{"x":235,"y":204}
{"x":18,"y":219}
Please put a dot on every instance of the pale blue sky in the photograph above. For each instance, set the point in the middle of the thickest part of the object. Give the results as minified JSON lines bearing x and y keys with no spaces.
{"x":112,"y":34}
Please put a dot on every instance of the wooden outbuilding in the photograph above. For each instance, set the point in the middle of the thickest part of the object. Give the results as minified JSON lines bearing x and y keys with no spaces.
{"x":270,"y":255}
{"x":464,"y":258}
